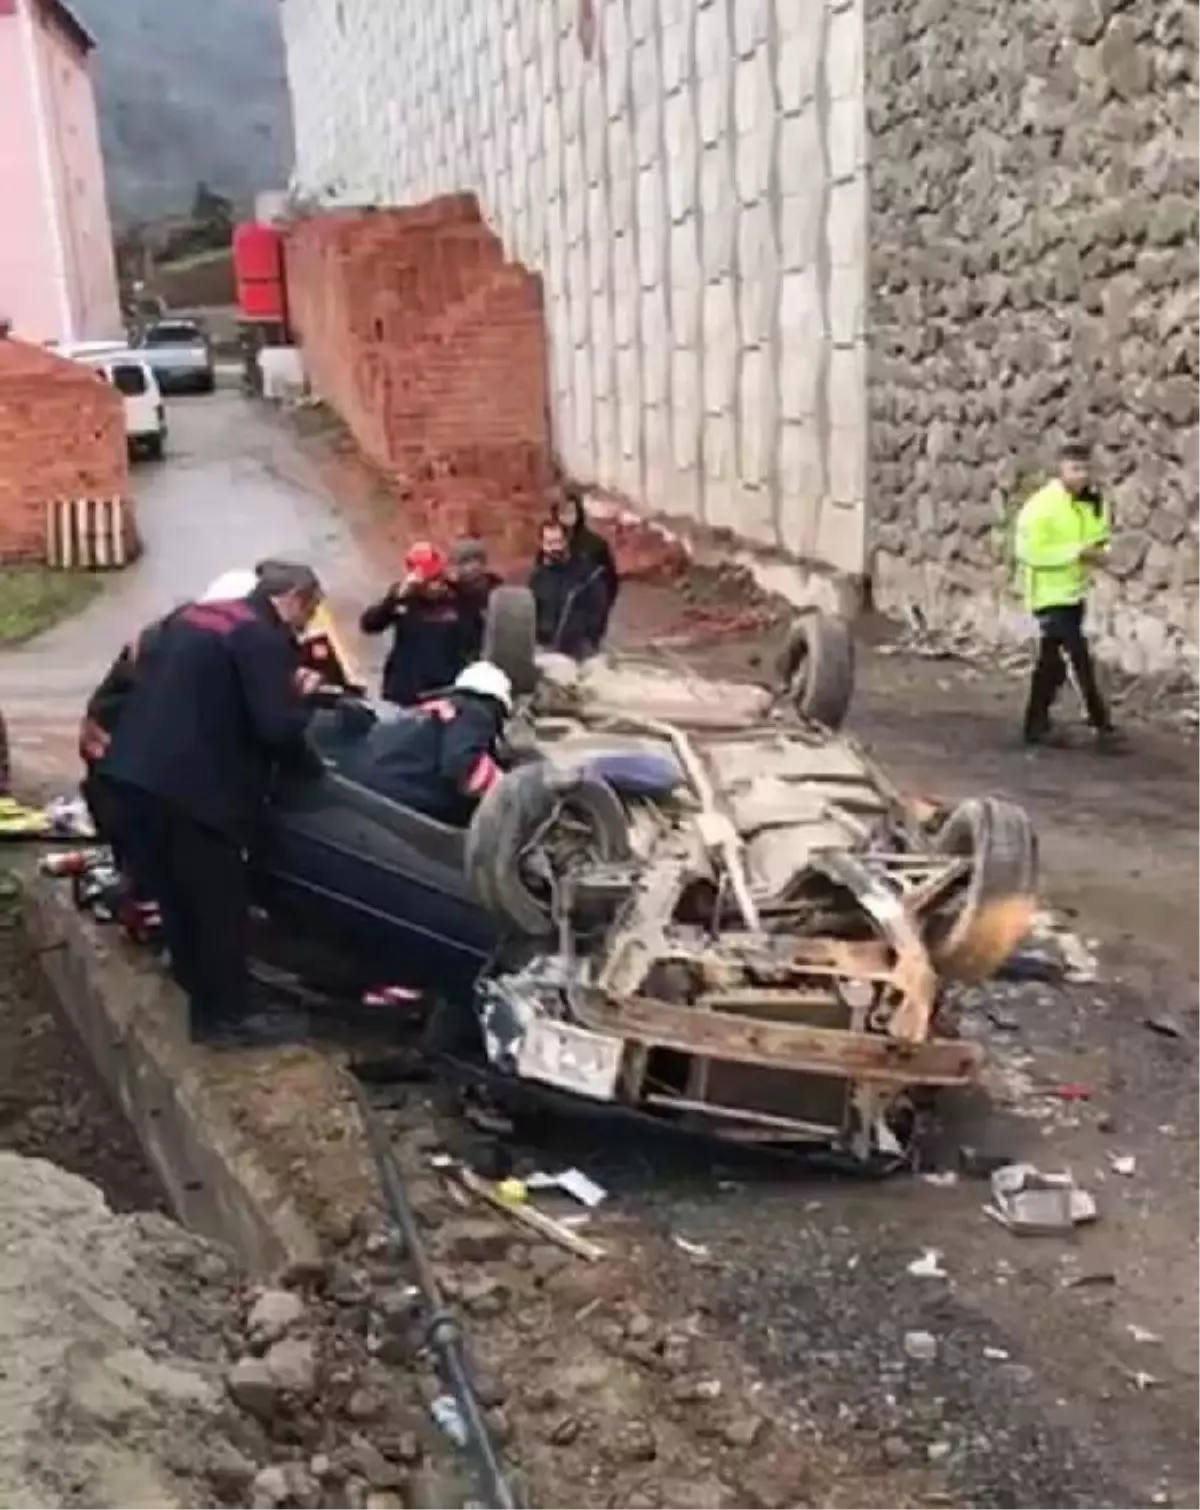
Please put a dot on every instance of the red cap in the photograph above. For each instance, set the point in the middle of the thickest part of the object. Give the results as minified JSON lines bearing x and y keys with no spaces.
{"x":426,"y":561}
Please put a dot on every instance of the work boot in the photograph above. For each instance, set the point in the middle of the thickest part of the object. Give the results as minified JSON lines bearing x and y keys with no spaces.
{"x":1111,"y":742}
{"x":1048,"y":738}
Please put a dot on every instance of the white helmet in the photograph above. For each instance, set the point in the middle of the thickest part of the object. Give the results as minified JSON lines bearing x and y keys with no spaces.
{"x":486,"y":679}
{"x":229,"y":585}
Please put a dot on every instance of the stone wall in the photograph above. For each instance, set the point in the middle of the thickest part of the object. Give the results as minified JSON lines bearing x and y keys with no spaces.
{"x":686,"y":177}
{"x":1033,"y":270}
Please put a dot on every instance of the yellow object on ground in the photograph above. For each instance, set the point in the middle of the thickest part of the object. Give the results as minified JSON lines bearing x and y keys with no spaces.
{"x":512,"y":1192}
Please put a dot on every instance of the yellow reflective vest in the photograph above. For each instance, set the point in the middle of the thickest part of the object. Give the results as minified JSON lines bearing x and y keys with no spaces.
{"x":1053,"y":529}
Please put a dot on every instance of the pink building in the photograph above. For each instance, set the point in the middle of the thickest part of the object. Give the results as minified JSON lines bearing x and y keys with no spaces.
{"x":57,"y":274}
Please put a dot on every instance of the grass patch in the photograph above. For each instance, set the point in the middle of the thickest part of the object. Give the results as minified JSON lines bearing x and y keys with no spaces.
{"x":34,"y":598}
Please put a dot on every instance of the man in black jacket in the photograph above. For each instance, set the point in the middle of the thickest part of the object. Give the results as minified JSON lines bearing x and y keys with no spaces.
{"x":570,"y":597}
{"x":474,"y":583}
{"x":429,"y":633}
{"x":216,"y":709}
{"x":587,"y":544}
{"x":441,"y":759}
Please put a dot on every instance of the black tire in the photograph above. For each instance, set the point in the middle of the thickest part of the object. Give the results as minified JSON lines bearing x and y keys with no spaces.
{"x":976,"y":933}
{"x":506,"y":821}
{"x":817,"y":667}
{"x":155,"y":447}
{"x":510,"y":637}
{"x":208,"y":383}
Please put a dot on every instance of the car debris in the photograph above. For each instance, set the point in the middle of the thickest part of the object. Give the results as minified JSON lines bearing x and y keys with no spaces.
{"x":572,"y":1182}
{"x":1032,"y":1203}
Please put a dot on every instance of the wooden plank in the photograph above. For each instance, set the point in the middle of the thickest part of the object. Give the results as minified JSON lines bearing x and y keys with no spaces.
{"x":819,"y":1132}
{"x":788,"y":1046}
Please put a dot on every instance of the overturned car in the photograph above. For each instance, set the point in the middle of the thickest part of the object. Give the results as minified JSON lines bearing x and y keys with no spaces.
{"x":695,"y":897}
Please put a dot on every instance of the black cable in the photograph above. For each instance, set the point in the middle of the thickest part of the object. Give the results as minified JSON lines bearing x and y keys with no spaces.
{"x":443,"y":1331}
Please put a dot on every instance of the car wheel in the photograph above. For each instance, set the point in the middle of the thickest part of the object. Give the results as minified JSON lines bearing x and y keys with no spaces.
{"x":985,"y":920}
{"x":208,"y":382}
{"x":817,"y":667}
{"x":154,"y":446}
{"x":537,"y":817}
{"x":510,"y":638}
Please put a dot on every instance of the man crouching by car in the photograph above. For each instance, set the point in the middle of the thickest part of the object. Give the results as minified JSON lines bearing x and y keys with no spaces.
{"x":440,"y":759}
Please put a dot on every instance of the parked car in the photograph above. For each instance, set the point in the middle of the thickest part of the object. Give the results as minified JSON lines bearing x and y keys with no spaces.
{"x":698,"y":898}
{"x":131,"y":375}
{"x":179,"y":353}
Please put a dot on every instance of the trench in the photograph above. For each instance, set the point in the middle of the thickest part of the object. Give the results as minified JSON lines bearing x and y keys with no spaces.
{"x":53,"y":1104}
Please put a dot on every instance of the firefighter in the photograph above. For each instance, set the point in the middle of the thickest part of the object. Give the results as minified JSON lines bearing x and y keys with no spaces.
{"x":427,"y":622}
{"x":441,"y":760}
{"x":570,"y":595}
{"x":212,"y":713}
{"x":100,"y":720}
{"x":1062,"y":532}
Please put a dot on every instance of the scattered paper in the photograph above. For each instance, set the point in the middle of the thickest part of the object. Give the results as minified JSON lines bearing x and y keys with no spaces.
{"x":928,"y":1266}
{"x":1124,"y":1163}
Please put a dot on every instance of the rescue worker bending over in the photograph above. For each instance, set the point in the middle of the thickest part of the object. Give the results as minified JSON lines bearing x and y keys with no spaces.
{"x":212,"y":714}
{"x":425,"y":617}
{"x":570,"y":596}
{"x":442,"y":759}
{"x":103,"y":714}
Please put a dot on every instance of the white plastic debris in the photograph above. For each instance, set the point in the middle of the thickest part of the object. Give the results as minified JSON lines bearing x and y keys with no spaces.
{"x":1141,"y":1333}
{"x":996,"y":1354}
{"x":693,"y":1250}
{"x":572,"y":1182}
{"x":928,"y":1266}
{"x":941,"y":1177}
{"x":1028,"y":1201}
{"x":1124,"y":1163}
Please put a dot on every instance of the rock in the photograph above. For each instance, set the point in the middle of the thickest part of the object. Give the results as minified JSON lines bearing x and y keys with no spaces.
{"x":402,"y":1447}
{"x":482,"y":1295}
{"x":364,"y":1405}
{"x":632,"y":1442}
{"x":742,"y":1429}
{"x":435,"y":1486}
{"x":921,"y":1347}
{"x":284,"y":1484}
{"x":545,"y":1260}
{"x":228,"y":1470}
{"x":398,"y":1306}
{"x":895,"y":1451}
{"x":292,"y":1364}
{"x":254,"y":1387}
{"x":696,"y":1494}
{"x":473,"y":1239}
{"x":272,"y":1314}
{"x":638,"y":1326}
{"x":368,"y":1462}
{"x":564,"y":1431}
{"x":345,"y":1285}
{"x":381,"y":1499}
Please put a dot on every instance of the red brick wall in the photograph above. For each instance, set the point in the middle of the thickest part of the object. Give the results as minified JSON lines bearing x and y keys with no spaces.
{"x":431,"y":347}
{"x":62,"y":435}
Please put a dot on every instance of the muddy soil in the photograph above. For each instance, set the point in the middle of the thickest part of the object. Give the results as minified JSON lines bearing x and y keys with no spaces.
{"x":52,"y":1106}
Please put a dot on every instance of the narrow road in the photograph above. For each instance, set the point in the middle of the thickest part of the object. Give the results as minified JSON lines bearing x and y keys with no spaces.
{"x":232,"y":490}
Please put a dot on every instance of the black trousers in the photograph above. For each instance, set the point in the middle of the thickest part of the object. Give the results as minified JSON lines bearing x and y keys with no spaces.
{"x":1063,"y":644}
{"x":198,"y":876}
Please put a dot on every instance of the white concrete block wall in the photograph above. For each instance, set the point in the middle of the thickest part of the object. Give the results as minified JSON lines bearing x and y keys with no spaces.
{"x":693,"y":192}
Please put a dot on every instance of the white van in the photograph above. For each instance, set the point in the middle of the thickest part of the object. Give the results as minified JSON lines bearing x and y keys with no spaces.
{"x":133,"y":378}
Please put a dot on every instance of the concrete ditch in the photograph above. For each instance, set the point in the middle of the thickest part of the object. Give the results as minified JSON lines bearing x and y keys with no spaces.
{"x":241,"y":1147}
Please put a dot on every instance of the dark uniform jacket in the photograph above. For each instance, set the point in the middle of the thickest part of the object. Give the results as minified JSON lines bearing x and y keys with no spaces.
{"x":212,"y":713}
{"x":429,"y":646}
{"x":107,"y":702}
{"x":439,"y":760}
{"x":473,"y":600}
{"x":585,"y":544}
{"x":572,"y":605}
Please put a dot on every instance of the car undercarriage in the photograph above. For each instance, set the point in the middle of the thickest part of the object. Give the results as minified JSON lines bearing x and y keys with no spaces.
{"x":765,"y":944}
